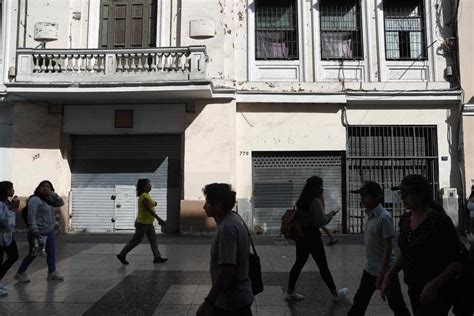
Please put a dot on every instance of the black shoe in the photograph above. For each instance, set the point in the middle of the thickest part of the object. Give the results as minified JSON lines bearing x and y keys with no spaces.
{"x":122,"y":259}
{"x":160,"y":260}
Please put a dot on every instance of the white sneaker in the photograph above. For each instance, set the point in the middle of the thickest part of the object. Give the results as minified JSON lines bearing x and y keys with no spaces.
{"x":342,"y":293}
{"x":22,"y":277}
{"x":55,"y":276}
{"x":3,"y":292}
{"x":293,"y":297}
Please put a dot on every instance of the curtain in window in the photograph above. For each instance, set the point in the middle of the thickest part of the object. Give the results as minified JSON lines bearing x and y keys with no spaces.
{"x":271,"y":45}
{"x":276,"y":30}
{"x":339,"y":30}
{"x":337,"y":45}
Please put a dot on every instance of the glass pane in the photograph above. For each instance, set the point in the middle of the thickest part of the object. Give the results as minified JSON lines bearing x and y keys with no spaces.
{"x":416,"y":45}
{"x":392,"y":45}
{"x":338,"y":16}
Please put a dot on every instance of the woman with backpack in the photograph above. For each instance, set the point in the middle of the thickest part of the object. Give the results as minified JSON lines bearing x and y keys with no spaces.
{"x":144,"y":223}
{"x":41,"y":221}
{"x":311,"y":216}
{"x":7,"y":226}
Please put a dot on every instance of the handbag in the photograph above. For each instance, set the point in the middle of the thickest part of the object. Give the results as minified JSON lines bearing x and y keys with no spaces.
{"x":255,"y":268}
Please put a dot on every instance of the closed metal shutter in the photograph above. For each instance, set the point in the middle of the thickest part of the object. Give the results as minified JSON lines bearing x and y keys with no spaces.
{"x":279,"y":177}
{"x":101,"y":164}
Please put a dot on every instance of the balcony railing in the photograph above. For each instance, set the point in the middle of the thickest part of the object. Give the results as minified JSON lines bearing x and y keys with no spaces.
{"x":109,"y":66}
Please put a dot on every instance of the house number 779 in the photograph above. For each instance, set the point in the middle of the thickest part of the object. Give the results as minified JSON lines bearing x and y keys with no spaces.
{"x":244,"y":153}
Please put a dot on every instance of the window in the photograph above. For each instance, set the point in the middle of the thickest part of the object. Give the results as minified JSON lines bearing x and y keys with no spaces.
{"x":404,"y":30}
{"x":341,"y":31}
{"x":128,"y":23}
{"x":276,"y":30}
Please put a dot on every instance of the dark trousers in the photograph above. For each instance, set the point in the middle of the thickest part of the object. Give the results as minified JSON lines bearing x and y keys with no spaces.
{"x":440,"y":307}
{"x":12,"y":257}
{"x":140,"y":231}
{"x":311,"y":244}
{"x":50,"y":252}
{"x":216,"y":311}
{"x":367,"y":289}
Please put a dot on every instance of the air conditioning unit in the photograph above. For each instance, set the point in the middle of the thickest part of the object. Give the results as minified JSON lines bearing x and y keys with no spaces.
{"x":450,"y":200}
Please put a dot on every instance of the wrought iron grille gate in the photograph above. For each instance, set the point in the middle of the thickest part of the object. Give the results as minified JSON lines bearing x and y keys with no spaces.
{"x":386,"y":154}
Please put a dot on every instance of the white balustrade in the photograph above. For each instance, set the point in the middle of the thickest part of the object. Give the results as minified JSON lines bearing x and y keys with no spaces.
{"x":88,"y":65}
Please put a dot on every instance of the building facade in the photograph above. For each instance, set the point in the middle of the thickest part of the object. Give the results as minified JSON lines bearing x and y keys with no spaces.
{"x":466,"y":61}
{"x":260,"y":94}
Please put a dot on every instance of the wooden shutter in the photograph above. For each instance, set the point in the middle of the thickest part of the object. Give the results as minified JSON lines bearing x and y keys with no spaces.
{"x":128,"y":24}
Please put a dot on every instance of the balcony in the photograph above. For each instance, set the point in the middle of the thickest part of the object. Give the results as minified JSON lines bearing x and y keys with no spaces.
{"x":112,"y":66}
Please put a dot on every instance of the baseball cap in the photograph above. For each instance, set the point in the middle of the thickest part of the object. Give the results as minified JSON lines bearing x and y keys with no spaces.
{"x":413,"y":183}
{"x":370,"y":188}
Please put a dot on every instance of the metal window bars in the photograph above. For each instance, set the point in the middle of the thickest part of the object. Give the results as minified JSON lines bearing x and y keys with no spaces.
{"x":341,"y":30}
{"x":276,"y":31}
{"x":386,"y":154}
{"x":404,"y":30}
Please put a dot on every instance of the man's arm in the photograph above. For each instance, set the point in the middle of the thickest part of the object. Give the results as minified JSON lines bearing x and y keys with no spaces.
{"x":387,"y":254}
{"x":225,"y":278}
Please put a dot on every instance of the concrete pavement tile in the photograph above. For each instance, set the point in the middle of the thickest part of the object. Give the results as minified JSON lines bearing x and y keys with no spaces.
{"x":40,"y":309}
{"x":177,"y":299}
{"x":273,"y":311}
{"x":182,"y":289}
{"x":10,"y":308}
{"x":204,"y":289}
{"x":172,"y":310}
{"x":270,"y":300}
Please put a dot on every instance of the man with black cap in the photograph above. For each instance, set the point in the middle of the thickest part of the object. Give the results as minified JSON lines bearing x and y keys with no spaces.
{"x":378,"y":240}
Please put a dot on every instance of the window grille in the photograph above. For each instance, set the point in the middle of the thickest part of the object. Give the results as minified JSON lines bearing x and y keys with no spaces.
{"x":276,"y":30}
{"x":386,"y":154}
{"x":404,"y":30}
{"x":341,"y":31}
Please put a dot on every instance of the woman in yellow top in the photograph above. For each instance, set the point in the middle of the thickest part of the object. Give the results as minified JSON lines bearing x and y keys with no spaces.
{"x":144,"y":223}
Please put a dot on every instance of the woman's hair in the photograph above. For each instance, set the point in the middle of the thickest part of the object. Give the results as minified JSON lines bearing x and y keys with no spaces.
{"x":220,"y":193}
{"x":141,"y":183}
{"x":312,"y":189}
{"x":38,"y":194}
{"x":418,"y":184}
{"x":5,"y":186}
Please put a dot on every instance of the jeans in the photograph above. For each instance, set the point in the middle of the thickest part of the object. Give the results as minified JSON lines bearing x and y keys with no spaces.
{"x":367,"y":289}
{"x":216,"y":311}
{"x":50,"y":252}
{"x":311,"y":244}
{"x":12,"y":257}
{"x":140,"y":231}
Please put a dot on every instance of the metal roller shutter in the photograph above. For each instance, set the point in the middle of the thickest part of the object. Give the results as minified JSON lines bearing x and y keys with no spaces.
{"x":103,"y":166}
{"x":279,"y":177}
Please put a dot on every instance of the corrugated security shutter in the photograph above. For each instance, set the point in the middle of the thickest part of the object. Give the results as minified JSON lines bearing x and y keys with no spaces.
{"x":100,"y":163}
{"x":279,"y":177}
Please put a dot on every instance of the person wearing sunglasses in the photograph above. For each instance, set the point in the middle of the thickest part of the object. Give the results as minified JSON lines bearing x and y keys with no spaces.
{"x":431,"y":254}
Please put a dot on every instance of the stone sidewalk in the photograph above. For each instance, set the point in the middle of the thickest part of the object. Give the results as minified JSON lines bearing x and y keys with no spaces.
{"x":97,"y":284}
